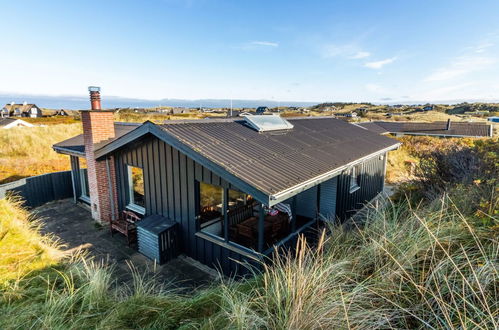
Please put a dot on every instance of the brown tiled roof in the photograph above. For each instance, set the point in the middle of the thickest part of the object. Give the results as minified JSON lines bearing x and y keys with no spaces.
{"x":373,"y":127}
{"x":438,"y":128}
{"x":22,"y":107}
{"x":275,"y":161}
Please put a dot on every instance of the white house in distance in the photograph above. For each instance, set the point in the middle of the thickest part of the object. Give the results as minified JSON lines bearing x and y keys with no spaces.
{"x":13,"y":122}
{"x":21,"y":110}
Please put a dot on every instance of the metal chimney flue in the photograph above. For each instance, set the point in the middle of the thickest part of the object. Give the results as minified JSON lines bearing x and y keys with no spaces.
{"x":95,"y":97}
{"x":447,"y":128}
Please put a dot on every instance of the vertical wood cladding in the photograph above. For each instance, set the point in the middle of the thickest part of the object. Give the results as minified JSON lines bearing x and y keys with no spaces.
{"x":371,"y":182}
{"x":170,"y":190}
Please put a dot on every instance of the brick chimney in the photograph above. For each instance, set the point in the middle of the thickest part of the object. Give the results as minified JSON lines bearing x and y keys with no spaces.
{"x":98,"y":126}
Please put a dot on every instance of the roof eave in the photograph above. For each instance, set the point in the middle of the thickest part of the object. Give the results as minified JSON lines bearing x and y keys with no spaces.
{"x":290,"y":192}
{"x":65,"y":151}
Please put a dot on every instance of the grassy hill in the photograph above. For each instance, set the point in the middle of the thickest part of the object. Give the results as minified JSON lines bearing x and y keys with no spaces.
{"x":28,"y":151}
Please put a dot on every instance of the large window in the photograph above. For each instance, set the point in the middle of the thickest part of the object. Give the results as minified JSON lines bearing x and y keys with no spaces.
{"x":210,"y":203}
{"x":211,"y":199}
{"x":85,"y":193}
{"x":136,"y":200}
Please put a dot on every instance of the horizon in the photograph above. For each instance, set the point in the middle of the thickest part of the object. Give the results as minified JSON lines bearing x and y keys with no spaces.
{"x":283,"y":52}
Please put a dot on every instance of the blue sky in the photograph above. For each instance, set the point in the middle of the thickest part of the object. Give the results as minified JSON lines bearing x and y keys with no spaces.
{"x":282,"y":50}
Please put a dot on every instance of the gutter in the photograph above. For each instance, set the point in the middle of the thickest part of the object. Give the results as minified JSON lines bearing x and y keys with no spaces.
{"x":282,"y":195}
{"x":65,"y":151}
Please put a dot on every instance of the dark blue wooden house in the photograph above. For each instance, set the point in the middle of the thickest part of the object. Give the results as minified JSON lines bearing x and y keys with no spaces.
{"x":236,"y":188}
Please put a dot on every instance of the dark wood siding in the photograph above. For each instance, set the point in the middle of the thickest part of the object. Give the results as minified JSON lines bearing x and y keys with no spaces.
{"x":170,"y":190}
{"x":371,"y":182}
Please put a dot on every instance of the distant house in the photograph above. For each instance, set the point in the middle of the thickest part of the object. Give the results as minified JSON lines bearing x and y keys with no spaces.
{"x":261,"y":110}
{"x":348,"y":115}
{"x":6,"y":123}
{"x":428,"y":108}
{"x":176,"y":111}
{"x":437,"y":128}
{"x":21,"y":110}
{"x":62,"y":112}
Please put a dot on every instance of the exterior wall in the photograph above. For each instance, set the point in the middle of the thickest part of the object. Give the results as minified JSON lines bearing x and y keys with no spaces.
{"x":170,"y":190}
{"x":371,"y":179}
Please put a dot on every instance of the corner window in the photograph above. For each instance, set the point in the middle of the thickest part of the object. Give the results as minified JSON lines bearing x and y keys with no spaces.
{"x":210,"y":203}
{"x":136,"y":200}
{"x":354,"y":179}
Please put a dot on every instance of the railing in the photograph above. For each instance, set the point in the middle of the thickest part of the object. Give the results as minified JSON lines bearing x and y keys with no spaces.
{"x":40,"y":189}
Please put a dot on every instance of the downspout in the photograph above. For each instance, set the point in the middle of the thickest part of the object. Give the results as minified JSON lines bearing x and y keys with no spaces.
{"x":110,"y":186}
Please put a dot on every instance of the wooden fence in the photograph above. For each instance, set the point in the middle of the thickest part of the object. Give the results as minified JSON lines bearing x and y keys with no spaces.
{"x":40,"y":189}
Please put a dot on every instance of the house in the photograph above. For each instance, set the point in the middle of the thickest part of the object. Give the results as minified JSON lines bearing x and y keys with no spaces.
{"x":437,"y":128}
{"x":234,"y":188}
{"x":13,"y":122}
{"x":347,"y":115}
{"x":261,"y":110}
{"x":21,"y":110}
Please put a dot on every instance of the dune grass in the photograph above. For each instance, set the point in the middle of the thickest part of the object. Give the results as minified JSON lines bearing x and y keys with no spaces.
{"x":28,"y":151}
{"x":415,"y":263}
{"x":22,"y":248}
{"x":431,"y":266}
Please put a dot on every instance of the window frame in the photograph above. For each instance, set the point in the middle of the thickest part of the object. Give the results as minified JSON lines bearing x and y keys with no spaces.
{"x":130,"y":201}
{"x":354,"y":179}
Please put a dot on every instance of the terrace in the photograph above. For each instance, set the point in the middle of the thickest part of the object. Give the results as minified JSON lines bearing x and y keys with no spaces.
{"x":72,"y":225}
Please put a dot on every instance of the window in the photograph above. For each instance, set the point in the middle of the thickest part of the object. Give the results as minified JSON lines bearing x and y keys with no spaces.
{"x":264,"y":123}
{"x":237,"y":198}
{"x":136,"y":200}
{"x":85,"y":193}
{"x":211,"y":199}
{"x":354,"y":179}
{"x":210,"y":203}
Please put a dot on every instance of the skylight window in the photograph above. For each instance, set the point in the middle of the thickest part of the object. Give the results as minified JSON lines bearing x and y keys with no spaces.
{"x":263,"y":123}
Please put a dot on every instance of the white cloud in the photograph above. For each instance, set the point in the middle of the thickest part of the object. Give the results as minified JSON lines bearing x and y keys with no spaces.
{"x":349,"y":51}
{"x":471,"y":59}
{"x":461,"y":66}
{"x":379,"y":64}
{"x":360,"y":54}
{"x":264,"y":43}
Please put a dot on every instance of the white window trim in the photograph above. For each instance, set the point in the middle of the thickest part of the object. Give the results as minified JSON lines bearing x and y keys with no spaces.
{"x":131,"y":205}
{"x":354,"y":184}
{"x":83,"y":185}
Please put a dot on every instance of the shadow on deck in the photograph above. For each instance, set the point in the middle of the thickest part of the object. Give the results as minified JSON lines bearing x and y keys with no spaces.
{"x":73,"y":225}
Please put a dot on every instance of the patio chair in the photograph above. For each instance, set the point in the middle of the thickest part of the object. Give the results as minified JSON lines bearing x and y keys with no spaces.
{"x":126,"y":224}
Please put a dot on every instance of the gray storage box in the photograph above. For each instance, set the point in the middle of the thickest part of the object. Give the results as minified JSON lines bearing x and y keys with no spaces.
{"x":157,"y":238}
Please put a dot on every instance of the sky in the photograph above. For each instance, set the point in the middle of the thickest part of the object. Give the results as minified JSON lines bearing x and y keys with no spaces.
{"x":376,"y":51}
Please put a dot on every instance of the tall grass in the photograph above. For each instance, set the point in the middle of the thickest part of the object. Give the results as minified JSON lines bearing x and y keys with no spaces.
{"x":404,"y":267}
{"x":22,"y":247}
{"x":28,"y":151}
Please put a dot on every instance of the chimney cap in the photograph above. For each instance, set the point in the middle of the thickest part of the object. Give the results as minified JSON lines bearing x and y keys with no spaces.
{"x":93,"y":89}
